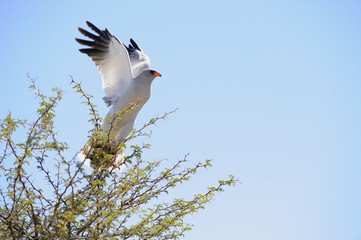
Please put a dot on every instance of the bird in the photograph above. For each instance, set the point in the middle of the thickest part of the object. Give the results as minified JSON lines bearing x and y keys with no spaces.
{"x":126,"y":80}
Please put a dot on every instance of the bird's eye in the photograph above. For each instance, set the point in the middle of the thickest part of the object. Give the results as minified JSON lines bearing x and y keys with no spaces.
{"x":155,"y":73}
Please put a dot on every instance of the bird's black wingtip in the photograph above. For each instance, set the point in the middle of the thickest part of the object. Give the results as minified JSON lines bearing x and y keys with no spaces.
{"x":135,"y":45}
{"x":89,"y":23}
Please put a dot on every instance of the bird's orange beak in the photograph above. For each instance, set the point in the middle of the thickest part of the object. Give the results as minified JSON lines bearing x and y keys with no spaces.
{"x":157,"y":74}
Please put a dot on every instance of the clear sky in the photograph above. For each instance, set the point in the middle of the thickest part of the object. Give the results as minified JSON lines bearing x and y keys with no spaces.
{"x":270,"y":90}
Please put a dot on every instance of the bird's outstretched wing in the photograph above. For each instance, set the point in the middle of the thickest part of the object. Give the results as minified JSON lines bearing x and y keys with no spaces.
{"x":111,"y":58}
{"x":139,"y":61}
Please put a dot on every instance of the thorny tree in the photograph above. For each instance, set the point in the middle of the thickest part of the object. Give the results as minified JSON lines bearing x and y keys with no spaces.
{"x":76,"y":202}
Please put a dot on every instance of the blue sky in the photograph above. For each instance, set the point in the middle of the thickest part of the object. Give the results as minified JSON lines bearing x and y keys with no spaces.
{"x":270,"y":90}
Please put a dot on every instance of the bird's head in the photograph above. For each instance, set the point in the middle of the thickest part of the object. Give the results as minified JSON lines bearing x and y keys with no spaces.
{"x":147,"y":75}
{"x":154,"y":73}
